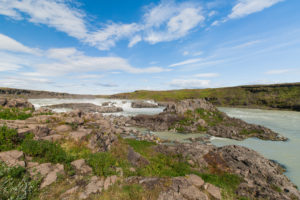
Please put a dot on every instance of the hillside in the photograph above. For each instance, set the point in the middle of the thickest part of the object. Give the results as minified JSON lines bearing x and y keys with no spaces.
{"x":24,"y":93}
{"x":277,"y":96}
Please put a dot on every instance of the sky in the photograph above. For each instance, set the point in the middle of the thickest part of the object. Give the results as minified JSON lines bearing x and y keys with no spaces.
{"x":107,"y":47}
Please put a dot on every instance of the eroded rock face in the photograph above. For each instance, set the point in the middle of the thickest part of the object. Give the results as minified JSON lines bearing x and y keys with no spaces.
{"x":189,"y":104}
{"x":143,"y":104}
{"x":16,"y":103}
{"x":261,"y":175}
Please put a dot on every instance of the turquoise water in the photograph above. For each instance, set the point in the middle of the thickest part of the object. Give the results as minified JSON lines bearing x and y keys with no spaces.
{"x":286,"y":123}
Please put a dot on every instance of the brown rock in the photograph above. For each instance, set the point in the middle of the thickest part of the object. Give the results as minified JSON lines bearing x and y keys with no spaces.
{"x":81,"y":166}
{"x":63,"y":128}
{"x":213,"y":191}
{"x":12,"y":158}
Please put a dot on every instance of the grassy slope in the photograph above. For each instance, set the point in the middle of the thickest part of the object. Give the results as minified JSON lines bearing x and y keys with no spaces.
{"x":281,"y":96}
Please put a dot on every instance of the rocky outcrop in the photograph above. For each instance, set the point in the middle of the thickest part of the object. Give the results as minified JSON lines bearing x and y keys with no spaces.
{"x":198,"y":115}
{"x":143,"y":104}
{"x":15,"y":103}
{"x":87,"y":107}
{"x":261,"y":178}
{"x":261,"y":175}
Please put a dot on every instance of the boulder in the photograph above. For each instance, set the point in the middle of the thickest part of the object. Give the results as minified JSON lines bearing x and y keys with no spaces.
{"x":48,"y":171}
{"x":195,"y":180}
{"x":214,"y":191}
{"x":81,"y":166}
{"x":18,"y":103}
{"x":12,"y":158}
{"x":143,"y":104}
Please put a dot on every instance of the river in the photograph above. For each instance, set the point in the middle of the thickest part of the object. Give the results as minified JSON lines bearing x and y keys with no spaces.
{"x":286,"y":123}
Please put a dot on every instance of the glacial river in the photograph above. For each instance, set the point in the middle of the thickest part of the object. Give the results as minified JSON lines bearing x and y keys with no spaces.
{"x":286,"y":123}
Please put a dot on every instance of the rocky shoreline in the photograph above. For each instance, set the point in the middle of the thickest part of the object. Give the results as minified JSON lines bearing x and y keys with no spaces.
{"x":104,"y":155}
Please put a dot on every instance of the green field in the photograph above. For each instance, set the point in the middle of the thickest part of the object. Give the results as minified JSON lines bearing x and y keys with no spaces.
{"x":280,"y":96}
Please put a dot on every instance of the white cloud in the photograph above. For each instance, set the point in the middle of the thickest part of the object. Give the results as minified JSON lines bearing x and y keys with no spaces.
{"x":170,"y":21}
{"x":212,"y":13}
{"x":247,"y":7}
{"x":165,"y":22}
{"x":54,"y":13}
{"x":136,"y":39}
{"x":106,"y":38}
{"x":278,"y":71}
{"x":9,"y":44}
{"x":207,"y":75}
{"x":186,"y":62}
{"x":191,"y":83}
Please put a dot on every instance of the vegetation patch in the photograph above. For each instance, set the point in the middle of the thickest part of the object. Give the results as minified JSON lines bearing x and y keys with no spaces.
{"x":45,"y":151}
{"x":16,"y":183}
{"x":15,"y":113}
{"x":9,"y":139}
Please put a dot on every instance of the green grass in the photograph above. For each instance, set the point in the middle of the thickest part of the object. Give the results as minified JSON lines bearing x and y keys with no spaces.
{"x":45,"y":151}
{"x":102,"y":163}
{"x":15,"y":113}
{"x":228,"y":182}
{"x":160,"y":165}
{"x":9,"y":139}
{"x":283,"y":96}
{"x":16,"y":183}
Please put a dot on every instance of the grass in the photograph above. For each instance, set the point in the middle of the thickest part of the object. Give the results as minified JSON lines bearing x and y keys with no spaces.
{"x":45,"y":151}
{"x":9,"y":138}
{"x":16,"y":183}
{"x":128,"y":192}
{"x":282,"y":96}
{"x":160,"y":165}
{"x":227,"y":182}
{"x":15,"y":113}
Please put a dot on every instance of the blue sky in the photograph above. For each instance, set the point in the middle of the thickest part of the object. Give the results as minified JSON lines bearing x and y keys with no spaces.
{"x":105,"y":47}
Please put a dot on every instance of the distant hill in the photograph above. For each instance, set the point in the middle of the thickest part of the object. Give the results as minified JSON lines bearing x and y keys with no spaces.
{"x":276,"y":96}
{"x":23,"y":93}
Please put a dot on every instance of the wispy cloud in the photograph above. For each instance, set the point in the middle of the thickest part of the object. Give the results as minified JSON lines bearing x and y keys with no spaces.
{"x":186,"y":62}
{"x":279,"y":71}
{"x":190,"y":83}
{"x":206,"y":75}
{"x":247,"y":7}
{"x":9,"y":44}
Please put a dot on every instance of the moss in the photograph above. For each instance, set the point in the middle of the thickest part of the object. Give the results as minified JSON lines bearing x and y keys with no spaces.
{"x":276,"y":188}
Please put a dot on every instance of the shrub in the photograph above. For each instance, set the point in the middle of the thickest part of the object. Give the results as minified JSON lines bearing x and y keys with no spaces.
{"x":8,"y":138}
{"x":16,"y":183}
{"x":45,"y":151}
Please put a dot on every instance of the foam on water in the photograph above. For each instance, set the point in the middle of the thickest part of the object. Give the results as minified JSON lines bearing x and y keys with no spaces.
{"x":124,"y":104}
